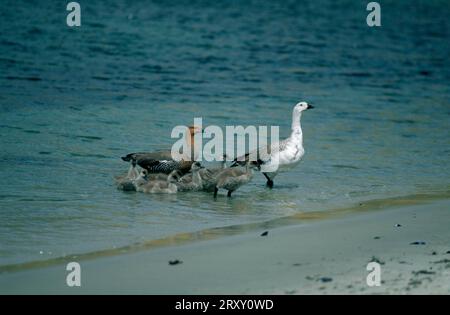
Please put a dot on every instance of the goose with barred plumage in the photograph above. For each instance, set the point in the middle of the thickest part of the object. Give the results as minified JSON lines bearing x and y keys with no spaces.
{"x":162,"y":161}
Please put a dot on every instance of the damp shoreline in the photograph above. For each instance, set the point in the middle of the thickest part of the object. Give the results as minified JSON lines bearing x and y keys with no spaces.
{"x":325,"y":251}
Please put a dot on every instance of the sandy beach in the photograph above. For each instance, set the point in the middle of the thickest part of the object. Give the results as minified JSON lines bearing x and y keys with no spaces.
{"x":322,"y":256}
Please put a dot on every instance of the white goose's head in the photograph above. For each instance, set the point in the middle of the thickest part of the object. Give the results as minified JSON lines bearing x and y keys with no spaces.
{"x":302,"y":106}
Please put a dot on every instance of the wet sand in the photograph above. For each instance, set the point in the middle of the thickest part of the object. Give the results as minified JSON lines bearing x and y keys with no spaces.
{"x":411,"y":243}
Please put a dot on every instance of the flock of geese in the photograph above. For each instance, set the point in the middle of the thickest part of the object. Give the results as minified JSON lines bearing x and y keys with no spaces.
{"x":157,"y":172}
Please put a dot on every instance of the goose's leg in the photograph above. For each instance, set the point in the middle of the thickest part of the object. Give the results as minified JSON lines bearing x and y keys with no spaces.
{"x":215,"y":192}
{"x":229,"y":193}
{"x":269,"y":181}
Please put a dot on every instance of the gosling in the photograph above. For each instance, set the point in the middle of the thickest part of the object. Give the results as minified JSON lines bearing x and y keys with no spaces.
{"x":231,"y":178}
{"x":143,"y":184}
{"x":208,"y":176}
{"x":125,"y":182}
{"x":193,"y":181}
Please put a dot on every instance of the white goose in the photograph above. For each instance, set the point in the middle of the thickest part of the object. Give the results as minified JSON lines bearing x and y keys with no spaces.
{"x":283,"y":155}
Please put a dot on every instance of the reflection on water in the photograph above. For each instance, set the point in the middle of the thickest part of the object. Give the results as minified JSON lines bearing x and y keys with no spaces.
{"x":73,"y":101}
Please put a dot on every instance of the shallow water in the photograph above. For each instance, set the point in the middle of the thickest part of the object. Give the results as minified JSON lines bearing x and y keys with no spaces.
{"x":73,"y":101}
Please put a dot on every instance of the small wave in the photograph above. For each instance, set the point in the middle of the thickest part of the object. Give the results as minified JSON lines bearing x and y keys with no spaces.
{"x":13,"y":44}
{"x":345,"y":166}
{"x":95,"y":25}
{"x":100,"y":156}
{"x":100,"y":78}
{"x":89,"y":137}
{"x":11,"y":127}
{"x":403,"y":121}
{"x":34,"y":79}
{"x":152,"y":68}
{"x":8,"y":60}
{"x":425,"y":73}
{"x":35,"y":31}
{"x":32,"y":131}
{"x":357,"y":74}
{"x":82,"y":137}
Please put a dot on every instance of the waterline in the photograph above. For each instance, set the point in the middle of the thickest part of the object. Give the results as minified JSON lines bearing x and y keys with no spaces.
{"x":218,"y":232}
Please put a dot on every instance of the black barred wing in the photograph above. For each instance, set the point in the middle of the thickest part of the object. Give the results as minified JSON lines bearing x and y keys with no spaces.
{"x":162,"y":166}
{"x":139,"y":156}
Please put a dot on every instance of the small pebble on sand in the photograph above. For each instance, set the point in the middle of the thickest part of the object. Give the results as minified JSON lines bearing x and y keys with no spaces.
{"x":175,"y":262}
{"x":326,"y":279}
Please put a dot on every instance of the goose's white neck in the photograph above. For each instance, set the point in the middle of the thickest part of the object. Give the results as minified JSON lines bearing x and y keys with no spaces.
{"x":297,"y":133}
